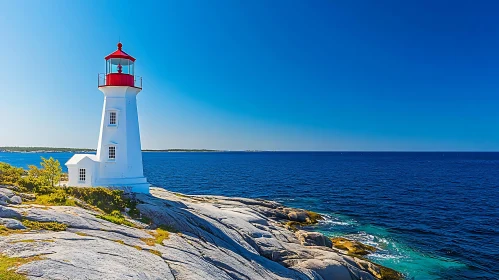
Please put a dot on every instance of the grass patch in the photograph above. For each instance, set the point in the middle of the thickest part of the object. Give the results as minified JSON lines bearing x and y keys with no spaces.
{"x":137,"y":247}
{"x":81,"y":233}
{"x":53,"y":226}
{"x":117,"y":218}
{"x":8,"y":266}
{"x":157,"y":253}
{"x":23,"y":241}
{"x":120,"y":241}
{"x":181,"y":195}
{"x":4,"y":231}
{"x":149,"y":241}
{"x":160,"y":234}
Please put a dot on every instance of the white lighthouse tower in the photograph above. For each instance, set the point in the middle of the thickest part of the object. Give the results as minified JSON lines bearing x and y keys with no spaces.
{"x":118,"y":162}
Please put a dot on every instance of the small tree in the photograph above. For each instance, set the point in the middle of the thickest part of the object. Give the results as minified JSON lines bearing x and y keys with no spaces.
{"x":52,"y":170}
{"x":37,"y":176}
{"x":10,"y":175}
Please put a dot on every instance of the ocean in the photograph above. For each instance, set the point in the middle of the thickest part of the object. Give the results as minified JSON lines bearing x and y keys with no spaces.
{"x":430,"y":215}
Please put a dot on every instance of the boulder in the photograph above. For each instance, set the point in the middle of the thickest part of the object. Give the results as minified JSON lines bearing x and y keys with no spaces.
{"x":307,"y":238}
{"x":6,"y":212}
{"x":6,"y":192}
{"x":10,"y":187}
{"x":15,"y":200}
{"x":4,"y":200}
{"x":379,"y":271}
{"x":11,"y":223}
{"x":298,"y":216}
{"x":327,"y":269}
{"x":27,"y":196}
{"x":353,"y":247}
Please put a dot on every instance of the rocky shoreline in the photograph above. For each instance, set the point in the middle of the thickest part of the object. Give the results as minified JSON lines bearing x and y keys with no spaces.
{"x":204,"y":237}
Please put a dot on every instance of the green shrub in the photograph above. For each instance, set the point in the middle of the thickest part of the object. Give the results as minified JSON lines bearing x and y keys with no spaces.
{"x":57,"y":198}
{"x":42,"y":181}
{"x":10,"y":175}
{"x":53,"y":226}
{"x":108,"y":200}
{"x":28,"y":184}
{"x":117,"y":218}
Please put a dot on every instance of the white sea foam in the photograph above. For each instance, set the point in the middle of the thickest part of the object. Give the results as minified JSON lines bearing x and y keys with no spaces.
{"x":334,"y":220}
{"x":381,"y":256}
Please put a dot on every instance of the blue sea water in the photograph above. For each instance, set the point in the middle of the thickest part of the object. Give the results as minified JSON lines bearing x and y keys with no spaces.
{"x":431,"y":215}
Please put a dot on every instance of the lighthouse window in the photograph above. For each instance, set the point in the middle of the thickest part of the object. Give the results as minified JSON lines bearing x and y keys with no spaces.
{"x":112,"y":118}
{"x":82,"y":174}
{"x":112,"y":152}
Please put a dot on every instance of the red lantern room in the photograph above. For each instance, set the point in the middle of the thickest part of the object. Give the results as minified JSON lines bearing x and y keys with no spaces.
{"x":120,"y":70}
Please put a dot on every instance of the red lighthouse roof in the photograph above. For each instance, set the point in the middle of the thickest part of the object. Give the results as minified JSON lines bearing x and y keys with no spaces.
{"x":120,"y":54}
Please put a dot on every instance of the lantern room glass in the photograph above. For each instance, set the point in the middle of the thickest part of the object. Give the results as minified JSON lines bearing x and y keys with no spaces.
{"x":127,"y":66}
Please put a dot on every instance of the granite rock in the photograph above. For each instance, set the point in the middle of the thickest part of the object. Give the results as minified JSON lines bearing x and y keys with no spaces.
{"x":11,"y":223}
{"x":211,"y":237}
{"x":7,"y":192}
{"x":15,"y":200}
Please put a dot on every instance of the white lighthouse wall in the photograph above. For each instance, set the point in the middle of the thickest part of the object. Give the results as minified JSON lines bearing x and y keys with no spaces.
{"x":126,"y":168}
{"x":90,"y":166}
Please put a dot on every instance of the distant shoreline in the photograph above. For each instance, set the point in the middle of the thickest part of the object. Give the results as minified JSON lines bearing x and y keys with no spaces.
{"x":84,"y":150}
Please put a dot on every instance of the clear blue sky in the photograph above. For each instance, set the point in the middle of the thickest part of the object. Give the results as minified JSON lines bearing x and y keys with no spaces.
{"x":271,"y":75}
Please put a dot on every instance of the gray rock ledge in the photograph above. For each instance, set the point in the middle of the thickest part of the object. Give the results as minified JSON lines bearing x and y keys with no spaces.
{"x":217,"y":238}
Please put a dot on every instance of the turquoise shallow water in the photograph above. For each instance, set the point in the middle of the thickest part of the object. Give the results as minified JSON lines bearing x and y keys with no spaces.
{"x":390,"y":252}
{"x":431,"y":215}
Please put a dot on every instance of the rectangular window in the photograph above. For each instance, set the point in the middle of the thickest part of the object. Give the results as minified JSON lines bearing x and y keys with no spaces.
{"x":83,"y":175}
{"x":112,"y":118}
{"x":112,"y":152}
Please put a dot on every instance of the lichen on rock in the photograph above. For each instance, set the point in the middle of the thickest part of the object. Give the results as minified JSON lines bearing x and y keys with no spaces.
{"x":352,"y":247}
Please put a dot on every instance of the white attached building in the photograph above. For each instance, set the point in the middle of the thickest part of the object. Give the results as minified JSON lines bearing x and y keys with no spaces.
{"x":118,"y":162}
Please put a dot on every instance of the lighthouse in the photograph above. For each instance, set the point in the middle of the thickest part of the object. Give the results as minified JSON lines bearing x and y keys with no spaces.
{"x":118,"y":162}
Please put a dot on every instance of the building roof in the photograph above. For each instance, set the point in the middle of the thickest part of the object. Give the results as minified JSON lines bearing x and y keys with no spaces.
{"x":120,"y":54}
{"x":79,"y":157}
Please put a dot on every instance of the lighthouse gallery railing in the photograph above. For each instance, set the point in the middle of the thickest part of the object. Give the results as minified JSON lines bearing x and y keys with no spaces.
{"x":102,"y":80}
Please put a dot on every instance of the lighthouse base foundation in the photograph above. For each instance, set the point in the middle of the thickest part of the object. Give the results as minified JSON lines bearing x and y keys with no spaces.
{"x":83,"y":171}
{"x":136,"y":185}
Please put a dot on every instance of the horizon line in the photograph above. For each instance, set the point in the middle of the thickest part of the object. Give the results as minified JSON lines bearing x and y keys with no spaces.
{"x":53,"y":149}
